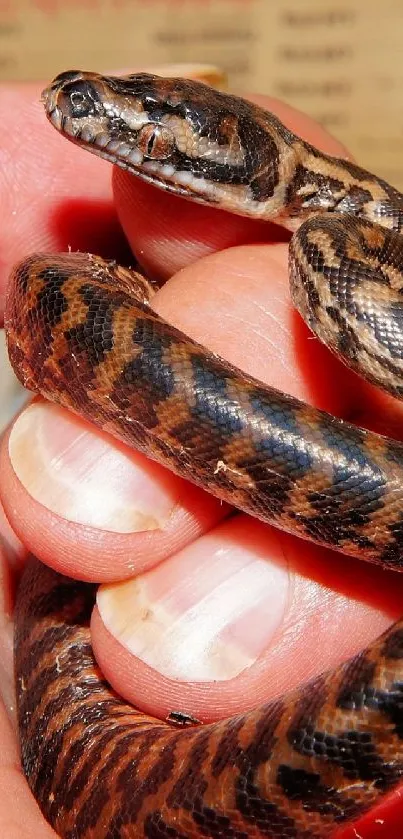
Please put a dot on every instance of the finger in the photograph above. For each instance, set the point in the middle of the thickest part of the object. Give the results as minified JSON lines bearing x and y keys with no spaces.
{"x":242,"y":614}
{"x":89,"y":506}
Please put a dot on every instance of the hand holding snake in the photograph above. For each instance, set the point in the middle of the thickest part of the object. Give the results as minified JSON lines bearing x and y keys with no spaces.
{"x":293,"y":780}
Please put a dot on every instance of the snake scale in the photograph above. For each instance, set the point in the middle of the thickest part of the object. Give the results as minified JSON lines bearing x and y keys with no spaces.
{"x":81,"y":331}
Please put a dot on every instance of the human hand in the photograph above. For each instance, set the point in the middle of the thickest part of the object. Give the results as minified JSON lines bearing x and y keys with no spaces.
{"x":86,"y":505}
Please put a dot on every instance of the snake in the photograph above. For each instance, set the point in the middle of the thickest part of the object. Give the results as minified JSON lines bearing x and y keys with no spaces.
{"x":81,"y":331}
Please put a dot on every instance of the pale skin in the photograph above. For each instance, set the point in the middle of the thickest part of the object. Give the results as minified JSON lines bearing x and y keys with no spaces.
{"x":226,"y":287}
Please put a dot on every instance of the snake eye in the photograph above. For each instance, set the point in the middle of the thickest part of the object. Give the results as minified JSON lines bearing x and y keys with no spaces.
{"x":155,"y":141}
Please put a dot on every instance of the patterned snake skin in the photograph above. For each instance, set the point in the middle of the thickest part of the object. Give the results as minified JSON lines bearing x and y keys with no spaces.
{"x":81,"y":331}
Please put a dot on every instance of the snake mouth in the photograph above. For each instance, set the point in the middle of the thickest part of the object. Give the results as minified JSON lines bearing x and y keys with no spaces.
{"x":96,"y":139}
{"x":130,"y":158}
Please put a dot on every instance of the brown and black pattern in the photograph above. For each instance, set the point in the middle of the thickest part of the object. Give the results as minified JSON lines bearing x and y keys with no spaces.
{"x":358,"y":310}
{"x":82,"y":332}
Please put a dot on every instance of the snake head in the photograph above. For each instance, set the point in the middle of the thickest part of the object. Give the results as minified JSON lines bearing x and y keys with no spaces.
{"x":105,"y":115}
{"x":181,"y":135}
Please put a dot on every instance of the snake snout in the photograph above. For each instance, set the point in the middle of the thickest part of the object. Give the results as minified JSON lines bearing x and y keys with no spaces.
{"x":73,"y":104}
{"x":87,"y":109}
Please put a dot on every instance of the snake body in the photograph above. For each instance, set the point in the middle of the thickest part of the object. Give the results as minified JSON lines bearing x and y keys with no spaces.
{"x":82,"y":331}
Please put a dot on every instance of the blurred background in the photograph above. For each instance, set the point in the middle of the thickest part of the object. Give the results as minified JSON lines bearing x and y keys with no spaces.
{"x":338,"y":60}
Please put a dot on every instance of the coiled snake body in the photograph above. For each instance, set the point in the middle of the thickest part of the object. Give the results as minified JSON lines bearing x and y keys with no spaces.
{"x":82,"y":332}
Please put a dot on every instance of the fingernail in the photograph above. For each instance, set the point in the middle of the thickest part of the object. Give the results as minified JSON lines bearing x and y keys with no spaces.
{"x":206,"y":614}
{"x":79,"y":475}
